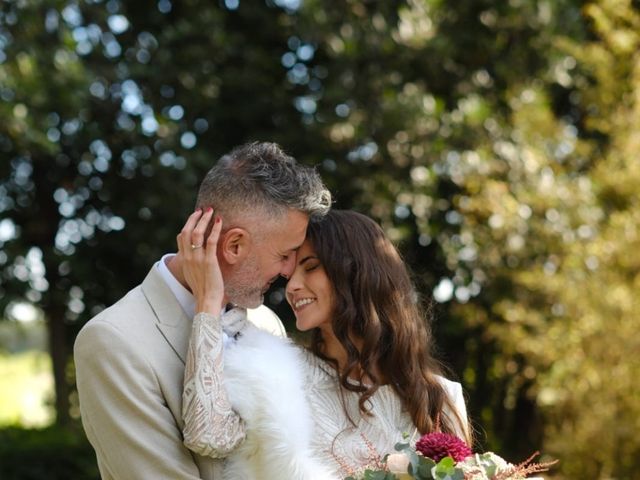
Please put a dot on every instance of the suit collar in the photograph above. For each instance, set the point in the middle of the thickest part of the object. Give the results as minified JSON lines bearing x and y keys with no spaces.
{"x":173,"y":323}
{"x":184,"y":296}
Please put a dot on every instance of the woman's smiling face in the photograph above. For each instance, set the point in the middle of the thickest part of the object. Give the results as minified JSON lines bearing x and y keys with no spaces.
{"x":309,"y":291}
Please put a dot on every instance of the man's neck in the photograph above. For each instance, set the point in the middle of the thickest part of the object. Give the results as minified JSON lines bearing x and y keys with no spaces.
{"x":174,"y":264}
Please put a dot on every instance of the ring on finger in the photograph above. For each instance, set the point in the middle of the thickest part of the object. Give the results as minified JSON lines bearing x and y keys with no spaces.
{"x":193,"y":247}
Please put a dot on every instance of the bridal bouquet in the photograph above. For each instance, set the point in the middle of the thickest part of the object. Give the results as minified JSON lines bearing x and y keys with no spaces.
{"x":440,"y":456}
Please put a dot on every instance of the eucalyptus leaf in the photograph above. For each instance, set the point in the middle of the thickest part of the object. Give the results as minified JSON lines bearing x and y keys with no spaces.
{"x":402,"y":446}
{"x":488,"y":463}
{"x":378,"y":475}
{"x":425,"y":465}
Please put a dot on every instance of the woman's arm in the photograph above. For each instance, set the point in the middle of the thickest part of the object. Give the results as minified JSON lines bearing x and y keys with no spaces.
{"x":211,"y":427}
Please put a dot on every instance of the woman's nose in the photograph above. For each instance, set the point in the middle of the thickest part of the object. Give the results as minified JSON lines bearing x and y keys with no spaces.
{"x":294,"y":283}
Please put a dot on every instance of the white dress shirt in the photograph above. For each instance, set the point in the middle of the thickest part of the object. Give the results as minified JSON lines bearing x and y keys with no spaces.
{"x":184,"y":297}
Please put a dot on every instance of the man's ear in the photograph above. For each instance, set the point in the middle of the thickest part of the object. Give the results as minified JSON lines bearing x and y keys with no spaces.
{"x":235,"y":245}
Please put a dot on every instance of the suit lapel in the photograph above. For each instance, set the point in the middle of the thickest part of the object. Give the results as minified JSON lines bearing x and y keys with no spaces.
{"x":173,"y":323}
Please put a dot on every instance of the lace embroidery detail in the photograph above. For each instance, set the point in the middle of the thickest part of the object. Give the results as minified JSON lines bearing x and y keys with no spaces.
{"x":336,"y":441}
{"x":211,"y":427}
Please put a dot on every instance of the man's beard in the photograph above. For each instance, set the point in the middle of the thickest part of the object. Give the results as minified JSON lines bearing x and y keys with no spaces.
{"x":239,"y":287}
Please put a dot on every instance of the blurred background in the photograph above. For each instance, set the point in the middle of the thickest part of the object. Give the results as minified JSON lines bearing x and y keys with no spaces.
{"x":497,"y":142}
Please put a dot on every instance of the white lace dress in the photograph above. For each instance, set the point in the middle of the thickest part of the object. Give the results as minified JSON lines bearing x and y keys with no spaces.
{"x":347,"y":448}
{"x":273,"y":409}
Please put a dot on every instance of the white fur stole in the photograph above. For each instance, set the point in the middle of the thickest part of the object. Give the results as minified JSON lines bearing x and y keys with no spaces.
{"x":264,"y":378}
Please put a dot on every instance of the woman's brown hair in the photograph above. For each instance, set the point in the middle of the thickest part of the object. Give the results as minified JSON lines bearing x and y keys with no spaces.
{"x":377,"y":321}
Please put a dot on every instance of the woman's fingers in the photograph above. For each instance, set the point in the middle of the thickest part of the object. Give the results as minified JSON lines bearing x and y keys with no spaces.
{"x":197,"y":236}
{"x":191,"y":237}
{"x":211,"y":297}
{"x":200,"y":262}
{"x":212,"y":241}
{"x":184,"y":237}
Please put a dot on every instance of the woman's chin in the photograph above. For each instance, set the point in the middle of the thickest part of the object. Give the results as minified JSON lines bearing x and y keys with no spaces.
{"x":301,"y":326}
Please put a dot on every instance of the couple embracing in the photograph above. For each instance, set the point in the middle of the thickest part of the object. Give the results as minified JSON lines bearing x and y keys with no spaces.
{"x":189,"y":376}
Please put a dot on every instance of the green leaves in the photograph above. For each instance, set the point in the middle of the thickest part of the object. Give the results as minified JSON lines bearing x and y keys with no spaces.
{"x":421,"y":467}
{"x":378,"y":475}
{"x":446,"y":470}
{"x":374,"y":475}
{"x":402,"y":447}
{"x":488,"y":462}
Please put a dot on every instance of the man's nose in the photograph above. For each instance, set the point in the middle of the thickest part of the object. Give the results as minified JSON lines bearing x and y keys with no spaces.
{"x":288,"y":267}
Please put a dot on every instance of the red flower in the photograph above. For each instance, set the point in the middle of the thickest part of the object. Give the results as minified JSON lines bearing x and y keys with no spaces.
{"x":436,"y":446}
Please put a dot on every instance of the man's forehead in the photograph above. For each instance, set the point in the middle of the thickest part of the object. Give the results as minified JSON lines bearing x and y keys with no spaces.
{"x":287,"y":233}
{"x":294,"y":229}
{"x":297,"y":247}
{"x":292,"y":244}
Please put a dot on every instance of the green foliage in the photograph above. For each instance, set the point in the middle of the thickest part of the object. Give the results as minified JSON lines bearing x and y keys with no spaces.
{"x":595,"y":335}
{"x":52,"y":453}
{"x":446,"y":470}
{"x":419,"y":466}
{"x":495,"y":141}
{"x":422,"y":467}
{"x":374,"y":475}
{"x":488,"y":463}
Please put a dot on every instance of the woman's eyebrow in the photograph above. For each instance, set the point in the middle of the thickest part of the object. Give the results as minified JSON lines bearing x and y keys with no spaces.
{"x":308,"y":257}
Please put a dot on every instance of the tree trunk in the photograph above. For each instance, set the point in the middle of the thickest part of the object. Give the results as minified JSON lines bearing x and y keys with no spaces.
{"x":59,"y":354}
{"x":42,"y":234}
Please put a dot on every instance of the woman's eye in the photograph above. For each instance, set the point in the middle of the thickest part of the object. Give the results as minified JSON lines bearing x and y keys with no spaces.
{"x":312,"y":267}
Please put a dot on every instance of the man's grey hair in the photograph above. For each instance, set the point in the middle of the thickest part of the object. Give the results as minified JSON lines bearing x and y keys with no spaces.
{"x":260,"y":176}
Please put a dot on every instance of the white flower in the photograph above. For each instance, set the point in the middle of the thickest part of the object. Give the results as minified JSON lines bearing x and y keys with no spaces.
{"x":398,"y":463}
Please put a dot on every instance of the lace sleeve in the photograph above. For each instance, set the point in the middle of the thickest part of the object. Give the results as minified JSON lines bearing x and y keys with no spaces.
{"x":211,"y":427}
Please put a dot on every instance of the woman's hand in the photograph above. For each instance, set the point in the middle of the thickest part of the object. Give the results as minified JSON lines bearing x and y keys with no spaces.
{"x":200,"y":262}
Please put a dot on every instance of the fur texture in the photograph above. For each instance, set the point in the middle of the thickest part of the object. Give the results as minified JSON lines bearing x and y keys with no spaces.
{"x":264,"y":377}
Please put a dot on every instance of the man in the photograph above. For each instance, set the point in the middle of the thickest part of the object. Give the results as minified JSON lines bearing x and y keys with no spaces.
{"x":130,"y":358}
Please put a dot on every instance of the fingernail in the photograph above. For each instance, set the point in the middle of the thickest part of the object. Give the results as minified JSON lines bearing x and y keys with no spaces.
{"x":218,"y":219}
{"x":209,"y":209}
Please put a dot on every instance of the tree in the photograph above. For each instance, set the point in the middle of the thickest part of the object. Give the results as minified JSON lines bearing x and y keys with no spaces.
{"x":594,"y":335}
{"x":555,"y":232}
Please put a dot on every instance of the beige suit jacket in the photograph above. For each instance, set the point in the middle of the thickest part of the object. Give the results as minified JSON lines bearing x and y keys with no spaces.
{"x":129,"y":371}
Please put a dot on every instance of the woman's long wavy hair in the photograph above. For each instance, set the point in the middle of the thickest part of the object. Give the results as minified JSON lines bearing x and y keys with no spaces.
{"x":377,"y":320}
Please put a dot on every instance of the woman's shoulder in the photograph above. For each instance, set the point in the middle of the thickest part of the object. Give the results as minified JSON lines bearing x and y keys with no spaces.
{"x":455,"y":393}
{"x":453,"y":389}
{"x":456,"y":396}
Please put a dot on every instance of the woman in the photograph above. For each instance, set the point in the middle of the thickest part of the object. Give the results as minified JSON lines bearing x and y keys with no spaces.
{"x":368,"y":377}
